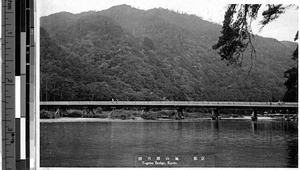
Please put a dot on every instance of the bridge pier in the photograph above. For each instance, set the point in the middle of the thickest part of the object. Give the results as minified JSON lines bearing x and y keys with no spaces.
{"x":179,"y":114}
{"x":254,"y":115}
{"x":215,"y":114}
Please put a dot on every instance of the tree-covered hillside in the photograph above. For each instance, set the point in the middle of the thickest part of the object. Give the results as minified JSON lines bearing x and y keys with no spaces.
{"x":124,"y":53}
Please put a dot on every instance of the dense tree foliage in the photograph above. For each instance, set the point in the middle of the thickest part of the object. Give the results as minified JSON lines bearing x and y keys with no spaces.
{"x":237,"y":37}
{"x":291,"y":83}
{"x":123,"y":53}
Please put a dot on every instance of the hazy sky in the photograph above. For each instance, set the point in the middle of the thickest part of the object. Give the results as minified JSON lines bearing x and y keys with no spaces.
{"x":284,"y":28}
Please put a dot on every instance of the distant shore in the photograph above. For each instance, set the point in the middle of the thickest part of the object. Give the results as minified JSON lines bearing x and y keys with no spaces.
{"x":138,"y":119}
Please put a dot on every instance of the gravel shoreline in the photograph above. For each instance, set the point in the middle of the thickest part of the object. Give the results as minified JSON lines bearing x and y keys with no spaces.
{"x":138,"y":119}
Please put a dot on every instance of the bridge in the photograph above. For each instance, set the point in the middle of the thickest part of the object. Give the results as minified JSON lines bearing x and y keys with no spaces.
{"x":183,"y":104}
{"x":178,"y":105}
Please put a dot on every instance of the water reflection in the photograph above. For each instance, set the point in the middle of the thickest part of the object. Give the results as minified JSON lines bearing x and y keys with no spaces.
{"x":225,"y":143}
{"x":215,"y":125}
{"x":254,"y":127}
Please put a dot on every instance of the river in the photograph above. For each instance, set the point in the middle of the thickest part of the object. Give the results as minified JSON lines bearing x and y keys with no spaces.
{"x":202,"y":143}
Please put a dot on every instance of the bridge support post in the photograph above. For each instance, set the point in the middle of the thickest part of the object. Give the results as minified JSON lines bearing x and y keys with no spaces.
{"x":254,"y":115}
{"x":179,"y":114}
{"x":215,"y":114}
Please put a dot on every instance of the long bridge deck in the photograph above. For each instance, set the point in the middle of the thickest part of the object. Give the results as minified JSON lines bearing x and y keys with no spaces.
{"x":183,"y":104}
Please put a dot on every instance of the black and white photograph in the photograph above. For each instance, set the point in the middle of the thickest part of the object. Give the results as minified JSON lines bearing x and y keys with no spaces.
{"x":176,"y":83}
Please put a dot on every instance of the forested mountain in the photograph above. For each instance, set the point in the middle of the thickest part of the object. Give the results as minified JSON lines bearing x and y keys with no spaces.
{"x":124,"y":53}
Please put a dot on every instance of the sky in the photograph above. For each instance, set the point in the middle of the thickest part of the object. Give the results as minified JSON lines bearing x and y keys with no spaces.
{"x":284,"y":28}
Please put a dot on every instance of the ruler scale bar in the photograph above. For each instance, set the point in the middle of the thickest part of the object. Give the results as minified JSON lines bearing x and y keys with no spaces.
{"x":18,"y":84}
{"x":8,"y":91}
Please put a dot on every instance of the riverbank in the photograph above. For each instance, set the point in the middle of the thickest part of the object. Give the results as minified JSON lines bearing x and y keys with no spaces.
{"x":139,"y":119}
{"x":122,"y":115}
{"x":136,"y":119}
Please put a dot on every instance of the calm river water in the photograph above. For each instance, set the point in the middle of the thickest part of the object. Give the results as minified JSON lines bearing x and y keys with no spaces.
{"x":204,"y":143}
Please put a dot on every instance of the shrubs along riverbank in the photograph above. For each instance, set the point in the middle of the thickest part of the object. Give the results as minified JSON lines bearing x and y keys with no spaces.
{"x":126,"y":114}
